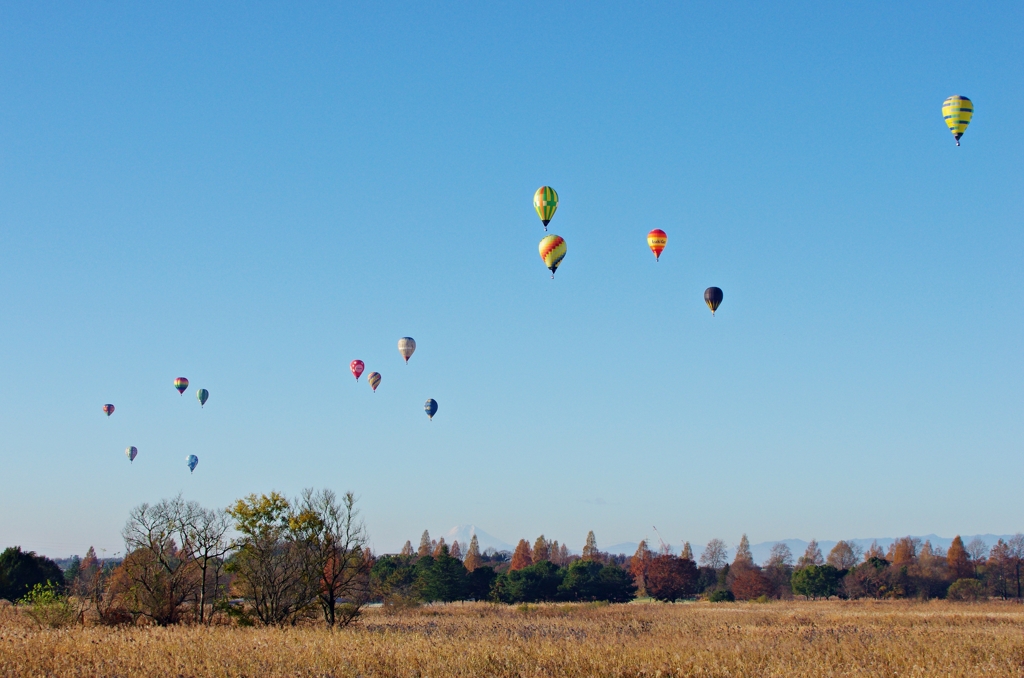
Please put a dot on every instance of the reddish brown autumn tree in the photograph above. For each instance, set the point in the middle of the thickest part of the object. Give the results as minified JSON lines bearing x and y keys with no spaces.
{"x":957,"y":562}
{"x":669,"y":578}
{"x":439,"y":546}
{"x":522,"y":556}
{"x":638,"y":566}
{"x":456,"y":551}
{"x":749,"y":584}
{"x":473,"y":559}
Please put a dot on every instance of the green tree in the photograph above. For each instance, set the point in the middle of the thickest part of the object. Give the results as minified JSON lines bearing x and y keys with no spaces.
{"x":49,"y":607}
{"x":816,"y":581}
{"x":395,"y":580}
{"x":588,"y":580}
{"x":532,"y":584}
{"x":21,"y":571}
{"x":442,"y":578}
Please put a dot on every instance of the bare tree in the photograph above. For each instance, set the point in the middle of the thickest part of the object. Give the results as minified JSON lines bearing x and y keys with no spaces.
{"x":161,"y":575}
{"x":780,"y":555}
{"x":812,"y":556}
{"x":203,"y":534}
{"x":714,"y":555}
{"x":1016,"y":551}
{"x":977,"y":551}
{"x":844,"y":555}
{"x":336,"y":538}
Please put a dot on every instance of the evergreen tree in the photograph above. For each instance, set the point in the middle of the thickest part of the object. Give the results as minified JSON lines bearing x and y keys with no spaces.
{"x":541,"y":550}
{"x":425,"y":549}
{"x":473,"y":560}
{"x":590,"y":551}
{"x":522,"y":556}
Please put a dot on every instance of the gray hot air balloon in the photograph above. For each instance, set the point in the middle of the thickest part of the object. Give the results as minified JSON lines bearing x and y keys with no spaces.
{"x":406,"y":346}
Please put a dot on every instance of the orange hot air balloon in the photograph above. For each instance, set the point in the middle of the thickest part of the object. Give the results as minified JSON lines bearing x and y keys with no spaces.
{"x":656,"y":240}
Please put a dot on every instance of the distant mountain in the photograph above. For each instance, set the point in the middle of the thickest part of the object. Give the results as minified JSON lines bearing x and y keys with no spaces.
{"x":463,"y":533}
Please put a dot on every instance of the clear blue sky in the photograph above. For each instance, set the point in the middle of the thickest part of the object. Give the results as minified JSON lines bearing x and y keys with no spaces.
{"x":253,"y":195}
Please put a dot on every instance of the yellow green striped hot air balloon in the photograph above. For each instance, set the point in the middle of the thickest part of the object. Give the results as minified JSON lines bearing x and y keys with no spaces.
{"x":545,"y":201}
{"x":957,"y":112}
{"x":552,"y":251}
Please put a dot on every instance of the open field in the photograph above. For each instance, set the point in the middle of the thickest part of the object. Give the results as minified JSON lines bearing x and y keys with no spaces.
{"x":698,"y":639}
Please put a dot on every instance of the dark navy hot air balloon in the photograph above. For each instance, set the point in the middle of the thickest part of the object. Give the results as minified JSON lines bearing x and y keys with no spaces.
{"x":713,"y":298}
{"x":430,"y":407}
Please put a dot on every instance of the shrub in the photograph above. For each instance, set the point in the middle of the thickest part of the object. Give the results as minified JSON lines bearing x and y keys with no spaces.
{"x":966,"y":590}
{"x":48,"y":607}
{"x":721,"y":596}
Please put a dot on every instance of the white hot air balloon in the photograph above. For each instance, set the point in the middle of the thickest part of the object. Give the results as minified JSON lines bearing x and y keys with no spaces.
{"x":406,"y":346}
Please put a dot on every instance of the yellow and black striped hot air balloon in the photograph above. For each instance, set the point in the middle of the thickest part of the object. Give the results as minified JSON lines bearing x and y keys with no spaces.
{"x":545,"y":201}
{"x":957,"y":112}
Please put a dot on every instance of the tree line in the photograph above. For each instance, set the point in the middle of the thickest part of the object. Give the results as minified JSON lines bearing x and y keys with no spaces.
{"x":270,"y":560}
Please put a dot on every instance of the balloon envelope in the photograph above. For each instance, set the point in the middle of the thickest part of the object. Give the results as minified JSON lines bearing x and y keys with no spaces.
{"x":406,"y":346}
{"x":545,"y":201}
{"x":181,"y":383}
{"x":713,"y":298}
{"x":131,"y":452}
{"x":373,"y":379}
{"x":192,"y":461}
{"x":656,"y":240}
{"x":430,"y":407}
{"x":357,"y":367}
{"x":202,"y":395}
{"x":957,"y":112}
{"x":552,"y":251}
{"x":109,"y":409}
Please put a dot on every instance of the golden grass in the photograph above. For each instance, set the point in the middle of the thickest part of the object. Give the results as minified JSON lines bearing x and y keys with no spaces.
{"x":698,"y":639}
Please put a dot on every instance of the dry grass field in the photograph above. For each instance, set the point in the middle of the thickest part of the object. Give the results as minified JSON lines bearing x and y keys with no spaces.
{"x":698,"y":639}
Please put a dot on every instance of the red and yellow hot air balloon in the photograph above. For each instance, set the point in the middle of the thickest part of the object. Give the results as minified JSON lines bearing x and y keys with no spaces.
{"x":373,"y":379}
{"x":552,"y":251}
{"x":656,"y":240}
{"x":181,"y":383}
{"x":357,"y":367}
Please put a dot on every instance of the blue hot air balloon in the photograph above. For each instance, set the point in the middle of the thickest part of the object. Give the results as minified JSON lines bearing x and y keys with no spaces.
{"x":192,"y":462}
{"x":430,"y":407}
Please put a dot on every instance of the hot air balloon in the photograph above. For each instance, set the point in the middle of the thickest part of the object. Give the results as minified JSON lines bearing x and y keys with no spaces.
{"x":657,"y":240}
{"x":545,"y":201}
{"x":713,"y":297}
{"x":192,"y":461}
{"x":430,"y":407}
{"x":357,"y":367}
{"x":957,"y":112}
{"x":373,"y":379}
{"x":202,"y":395}
{"x":552,"y":251}
{"x":131,"y":452}
{"x":109,"y":409}
{"x":181,"y":383}
{"x":406,"y":346}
